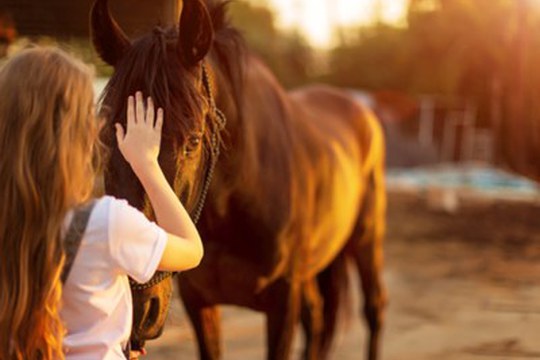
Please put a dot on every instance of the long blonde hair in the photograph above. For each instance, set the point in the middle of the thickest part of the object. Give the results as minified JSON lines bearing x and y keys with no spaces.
{"x":48,"y":134}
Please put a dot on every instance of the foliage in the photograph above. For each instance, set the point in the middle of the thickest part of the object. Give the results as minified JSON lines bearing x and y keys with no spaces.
{"x":286,"y":53}
{"x":483,"y":51}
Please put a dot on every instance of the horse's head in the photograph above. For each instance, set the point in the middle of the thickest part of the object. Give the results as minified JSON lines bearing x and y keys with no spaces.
{"x":166,"y":64}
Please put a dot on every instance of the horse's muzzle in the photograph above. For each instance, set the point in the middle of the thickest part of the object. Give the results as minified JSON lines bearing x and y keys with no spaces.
{"x":150,"y":309}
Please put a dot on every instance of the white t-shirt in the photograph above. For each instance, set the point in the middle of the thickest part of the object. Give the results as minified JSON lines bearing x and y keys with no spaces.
{"x":97,"y":308}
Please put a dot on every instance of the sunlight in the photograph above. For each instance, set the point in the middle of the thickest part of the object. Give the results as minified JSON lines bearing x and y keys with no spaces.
{"x":394,"y":11}
{"x":351,"y":12}
{"x":318,"y":19}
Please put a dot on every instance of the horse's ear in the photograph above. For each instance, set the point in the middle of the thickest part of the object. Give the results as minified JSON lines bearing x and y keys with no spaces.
{"x":109,"y":40}
{"x":196,"y":32}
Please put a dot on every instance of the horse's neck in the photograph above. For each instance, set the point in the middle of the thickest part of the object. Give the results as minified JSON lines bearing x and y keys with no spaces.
{"x":261,"y":105}
{"x":259,"y":155}
{"x":250,"y":205}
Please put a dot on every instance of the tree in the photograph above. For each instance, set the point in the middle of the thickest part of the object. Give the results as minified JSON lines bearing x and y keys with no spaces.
{"x":287,"y":54}
{"x":483,"y":52}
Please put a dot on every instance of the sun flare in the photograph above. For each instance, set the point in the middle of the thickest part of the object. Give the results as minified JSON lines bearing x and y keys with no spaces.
{"x":318,"y":19}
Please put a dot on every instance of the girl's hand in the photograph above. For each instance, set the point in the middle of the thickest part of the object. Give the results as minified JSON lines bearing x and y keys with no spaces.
{"x":140,"y":143}
{"x":136,"y":355}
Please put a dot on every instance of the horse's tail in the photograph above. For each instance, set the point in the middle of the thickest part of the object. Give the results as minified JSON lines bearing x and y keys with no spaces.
{"x":335,"y":291}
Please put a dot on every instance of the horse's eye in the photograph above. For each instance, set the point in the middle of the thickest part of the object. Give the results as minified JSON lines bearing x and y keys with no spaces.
{"x":192,"y":145}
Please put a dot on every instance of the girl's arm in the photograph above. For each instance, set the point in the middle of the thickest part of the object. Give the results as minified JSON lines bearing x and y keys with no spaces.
{"x":140,"y":145}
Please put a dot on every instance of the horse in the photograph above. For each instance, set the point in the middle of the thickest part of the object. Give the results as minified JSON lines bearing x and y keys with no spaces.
{"x":297,"y":194}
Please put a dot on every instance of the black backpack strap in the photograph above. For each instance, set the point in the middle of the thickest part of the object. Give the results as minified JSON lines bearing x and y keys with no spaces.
{"x":74,"y":236}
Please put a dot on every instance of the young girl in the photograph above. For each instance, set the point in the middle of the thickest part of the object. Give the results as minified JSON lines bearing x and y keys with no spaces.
{"x":48,"y":137}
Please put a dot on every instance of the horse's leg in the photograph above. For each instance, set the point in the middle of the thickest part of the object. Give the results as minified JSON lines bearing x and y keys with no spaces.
{"x":368,"y":255}
{"x":312,"y":320}
{"x":282,"y":309}
{"x":334,"y":289}
{"x":205,"y":320}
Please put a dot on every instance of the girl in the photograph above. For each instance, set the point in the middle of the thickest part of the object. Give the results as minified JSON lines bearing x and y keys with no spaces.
{"x":48,"y":137}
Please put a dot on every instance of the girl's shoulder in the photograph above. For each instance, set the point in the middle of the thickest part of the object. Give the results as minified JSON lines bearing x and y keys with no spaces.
{"x":108,"y":216}
{"x":136,"y":244}
{"x":100,"y":216}
{"x":113,"y":207}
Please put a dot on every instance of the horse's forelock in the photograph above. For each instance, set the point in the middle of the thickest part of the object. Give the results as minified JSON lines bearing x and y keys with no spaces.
{"x":153,"y":67}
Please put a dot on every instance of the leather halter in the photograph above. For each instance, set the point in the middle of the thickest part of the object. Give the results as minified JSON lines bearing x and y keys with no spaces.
{"x":217,"y":126}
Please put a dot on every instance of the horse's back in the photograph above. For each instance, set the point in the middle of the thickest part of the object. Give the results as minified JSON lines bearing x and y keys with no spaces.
{"x":336,"y":113}
{"x":343,"y":140}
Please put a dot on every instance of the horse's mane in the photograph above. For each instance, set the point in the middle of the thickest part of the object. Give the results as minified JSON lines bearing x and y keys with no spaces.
{"x":264,"y":144}
{"x":229,"y":50}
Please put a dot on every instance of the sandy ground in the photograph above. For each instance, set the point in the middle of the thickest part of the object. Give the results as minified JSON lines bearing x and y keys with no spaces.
{"x":461,"y":286}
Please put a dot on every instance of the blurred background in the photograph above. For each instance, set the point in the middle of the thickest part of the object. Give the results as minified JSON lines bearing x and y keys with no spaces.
{"x":452,"y":80}
{"x":456,"y":85}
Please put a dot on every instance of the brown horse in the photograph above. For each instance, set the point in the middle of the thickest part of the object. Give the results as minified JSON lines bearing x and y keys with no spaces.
{"x":298,"y":191}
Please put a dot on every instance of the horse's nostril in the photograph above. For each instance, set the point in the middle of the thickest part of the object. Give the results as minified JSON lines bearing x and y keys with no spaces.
{"x":153,"y":313}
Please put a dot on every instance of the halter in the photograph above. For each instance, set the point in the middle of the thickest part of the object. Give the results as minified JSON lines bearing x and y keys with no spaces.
{"x":217,"y":127}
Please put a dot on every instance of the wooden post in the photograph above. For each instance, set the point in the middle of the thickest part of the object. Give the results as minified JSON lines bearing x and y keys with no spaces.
{"x":497,"y":125}
{"x":137,"y":17}
{"x":173,"y":9}
{"x":468,"y":133}
{"x":449,"y":137}
{"x":427,"y":120}
{"x":517,"y":126}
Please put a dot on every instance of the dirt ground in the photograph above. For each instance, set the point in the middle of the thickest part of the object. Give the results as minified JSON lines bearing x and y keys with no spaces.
{"x":461,"y":286}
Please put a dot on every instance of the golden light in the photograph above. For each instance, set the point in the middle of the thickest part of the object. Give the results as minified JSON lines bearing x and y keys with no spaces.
{"x":318,"y":19}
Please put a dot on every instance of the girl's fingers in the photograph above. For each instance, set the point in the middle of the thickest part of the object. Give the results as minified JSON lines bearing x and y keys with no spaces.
{"x":150,"y":112}
{"x":159,"y":120}
{"x":131,"y":112}
{"x":139,"y":108}
{"x":119,"y":133}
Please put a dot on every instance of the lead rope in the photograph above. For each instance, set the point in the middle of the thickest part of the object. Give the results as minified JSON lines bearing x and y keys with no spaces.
{"x":217,"y":127}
